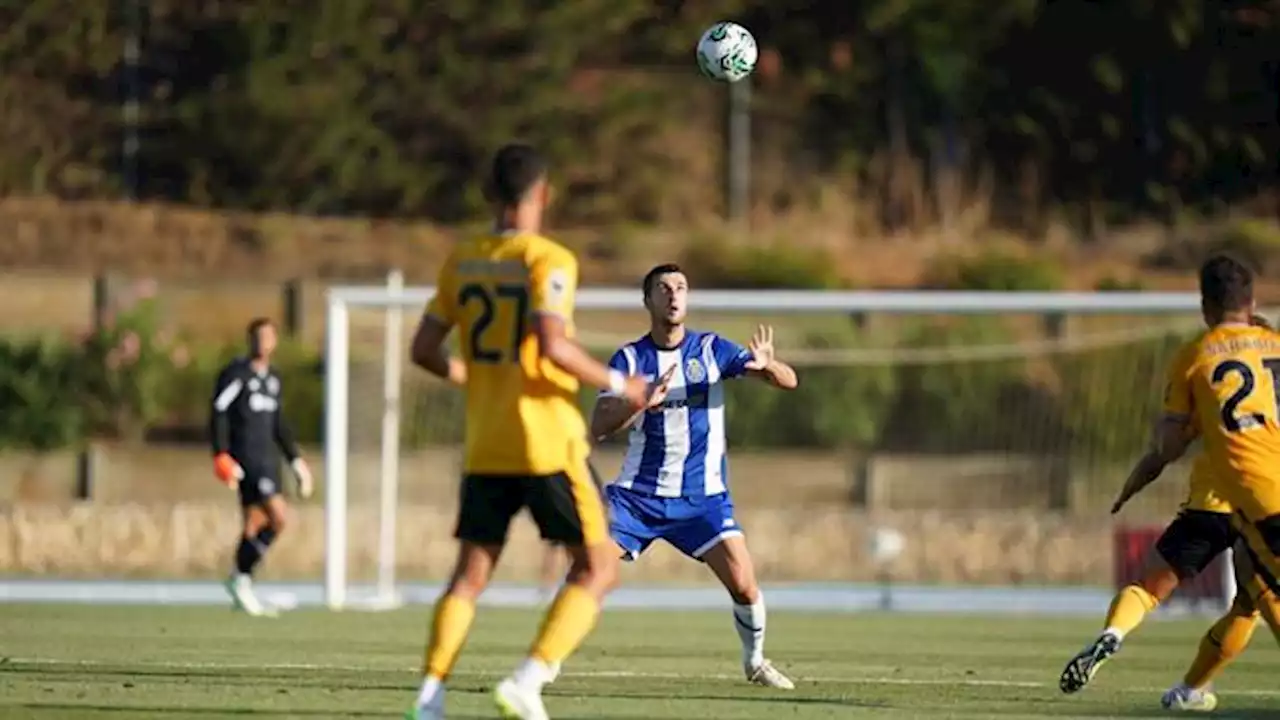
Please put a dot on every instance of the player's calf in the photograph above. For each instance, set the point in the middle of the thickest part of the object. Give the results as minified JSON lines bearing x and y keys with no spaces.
{"x":731,"y":562}
{"x":451,"y":623}
{"x":262,"y":525}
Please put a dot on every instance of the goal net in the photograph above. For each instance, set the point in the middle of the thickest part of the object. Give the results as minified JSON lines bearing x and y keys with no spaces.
{"x":990,"y":430}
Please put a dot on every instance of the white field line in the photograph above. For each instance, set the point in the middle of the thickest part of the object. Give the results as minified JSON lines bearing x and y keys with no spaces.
{"x":601,"y":674}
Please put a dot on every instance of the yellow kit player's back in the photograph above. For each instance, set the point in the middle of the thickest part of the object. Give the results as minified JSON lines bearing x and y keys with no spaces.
{"x":510,"y":294}
{"x":1224,"y":383}
{"x":522,"y":410}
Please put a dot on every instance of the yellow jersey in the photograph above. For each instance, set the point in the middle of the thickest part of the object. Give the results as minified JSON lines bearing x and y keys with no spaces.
{"x":1201,"y":493}
{"x":522,"y":410}
{"x":1223,"y":383}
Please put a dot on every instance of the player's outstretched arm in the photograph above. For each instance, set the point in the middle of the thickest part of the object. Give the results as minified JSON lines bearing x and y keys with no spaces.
{"x":612,"y":414}
{"x":1171,"y":440}
{"x":225,"y":392}
{"x":555,"y":345}
{"x":765,"y":365}
{"x":427,"y":350}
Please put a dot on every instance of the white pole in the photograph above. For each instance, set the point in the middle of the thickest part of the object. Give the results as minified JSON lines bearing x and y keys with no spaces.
{"x":336,"y":357}
{"x":390,"y":468}
{"x":1229,"y":577}
{"x":739,"y":150}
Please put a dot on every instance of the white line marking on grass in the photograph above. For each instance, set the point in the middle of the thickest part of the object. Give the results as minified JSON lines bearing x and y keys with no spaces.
{"x":584,"y":674}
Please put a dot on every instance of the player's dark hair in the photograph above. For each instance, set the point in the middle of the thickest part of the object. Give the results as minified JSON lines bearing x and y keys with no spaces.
{"x":1226,"y":284}
{"x":516,"y":168}
{"x":255,"y":325}
{"x":658,"y":271}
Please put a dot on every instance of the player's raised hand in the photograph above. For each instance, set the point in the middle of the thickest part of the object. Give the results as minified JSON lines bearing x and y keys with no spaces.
{"x":661,"y":388}
{"x":761,"y":347}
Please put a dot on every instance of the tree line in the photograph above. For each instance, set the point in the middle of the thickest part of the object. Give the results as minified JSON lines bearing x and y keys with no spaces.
{"x":389,"y":107}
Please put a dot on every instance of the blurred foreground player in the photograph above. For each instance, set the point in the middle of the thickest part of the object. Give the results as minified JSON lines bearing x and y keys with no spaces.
{"x":248,"y":431}
{"x":510,"y":293}
{"x":1201,"y":531}
{"x":1222,"y":388}
{"x":674,"y":480}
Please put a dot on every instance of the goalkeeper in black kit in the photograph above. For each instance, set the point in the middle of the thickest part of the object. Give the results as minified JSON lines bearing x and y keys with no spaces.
{"x":249,"y":433}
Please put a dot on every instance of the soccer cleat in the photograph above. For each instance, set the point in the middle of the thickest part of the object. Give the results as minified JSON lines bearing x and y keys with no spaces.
{"x":434,"y":711}
{"x":766,"y":675}
{"x":519,"y":702}
{"x":1187,"y":699}
{"x":1085,"y":665}
{"x":240,"y":588}
{"x":424,"y":713}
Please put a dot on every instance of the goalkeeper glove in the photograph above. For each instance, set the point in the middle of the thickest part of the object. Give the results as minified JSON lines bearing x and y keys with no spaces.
{"x":227,"y":470}
{"x":303,"y":473}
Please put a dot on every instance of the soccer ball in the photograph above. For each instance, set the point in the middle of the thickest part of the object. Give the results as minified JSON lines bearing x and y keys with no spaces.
{"x":727,"y":52}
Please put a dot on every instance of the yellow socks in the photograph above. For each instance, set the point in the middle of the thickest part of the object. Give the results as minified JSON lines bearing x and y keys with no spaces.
{"x":449,"y":627}
{"x":1128,"y":609}
{"x":1223,"y":643}
{"x":567,"y":624}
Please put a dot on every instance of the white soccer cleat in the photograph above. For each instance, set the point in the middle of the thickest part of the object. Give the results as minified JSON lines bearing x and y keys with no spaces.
{"x":433,"y":710}
{"x":240,"y":588}
{"x":1181,"y":698}
{"x":766,"y":675}
{"x":519,"y":702}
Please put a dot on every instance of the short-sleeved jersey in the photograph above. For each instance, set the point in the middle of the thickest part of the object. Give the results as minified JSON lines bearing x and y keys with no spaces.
{"x":1224,"y":383}
{"x":678,"y":449}
{"x":1202,"y":493}
{"x":522,"y":410}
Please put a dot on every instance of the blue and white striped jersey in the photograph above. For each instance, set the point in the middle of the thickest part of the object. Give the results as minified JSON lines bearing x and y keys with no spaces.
{"x":678,"y":449}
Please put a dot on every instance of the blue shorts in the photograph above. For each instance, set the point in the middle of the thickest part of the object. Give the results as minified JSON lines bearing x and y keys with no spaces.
{"x":692,"y":526}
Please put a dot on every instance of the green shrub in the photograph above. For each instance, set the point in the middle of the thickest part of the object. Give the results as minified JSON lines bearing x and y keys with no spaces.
{"x":1114,"y":421}
{"x":950,"y":403}
{"x":714,"y":263}
{"x":1253,"y":240}
{"x":126,"y":369}
{"x":994,"y":270}
{"x":1256,"y":241}
{"x":40,"y":391}
{"x":1111,"y":283}
{"x":835,"y":406}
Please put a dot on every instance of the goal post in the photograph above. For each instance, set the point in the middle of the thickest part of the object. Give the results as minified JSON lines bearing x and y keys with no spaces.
{"x":359,"y":318}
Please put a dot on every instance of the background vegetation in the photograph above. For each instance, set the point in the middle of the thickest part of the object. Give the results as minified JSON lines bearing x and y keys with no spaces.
{"x":131,"y":380}
{"x":1104,"y":111}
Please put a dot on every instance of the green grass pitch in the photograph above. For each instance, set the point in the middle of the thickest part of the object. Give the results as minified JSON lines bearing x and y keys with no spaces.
{"x":67,"y":661}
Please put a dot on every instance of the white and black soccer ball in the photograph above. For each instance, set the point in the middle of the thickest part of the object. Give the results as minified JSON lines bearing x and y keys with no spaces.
{"x":727,"y":52}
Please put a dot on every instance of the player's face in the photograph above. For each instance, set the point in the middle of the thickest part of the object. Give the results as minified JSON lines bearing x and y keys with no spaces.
{"x":669,"y":298}
{"x":265,"y":342}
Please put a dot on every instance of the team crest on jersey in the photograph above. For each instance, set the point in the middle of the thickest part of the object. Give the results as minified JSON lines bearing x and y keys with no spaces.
{"x":694,"y":372}
{"x":273,"y":385}
{"x":254,"y":384}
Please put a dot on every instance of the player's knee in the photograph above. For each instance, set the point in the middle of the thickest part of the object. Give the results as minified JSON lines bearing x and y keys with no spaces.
{"x":742,"y":586}
{"x":596,"y":568}
{"x":468,"y":581}
{"x":278,"y":519}
{"x":1160,"y":582}
{"x":1243,"y":605}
